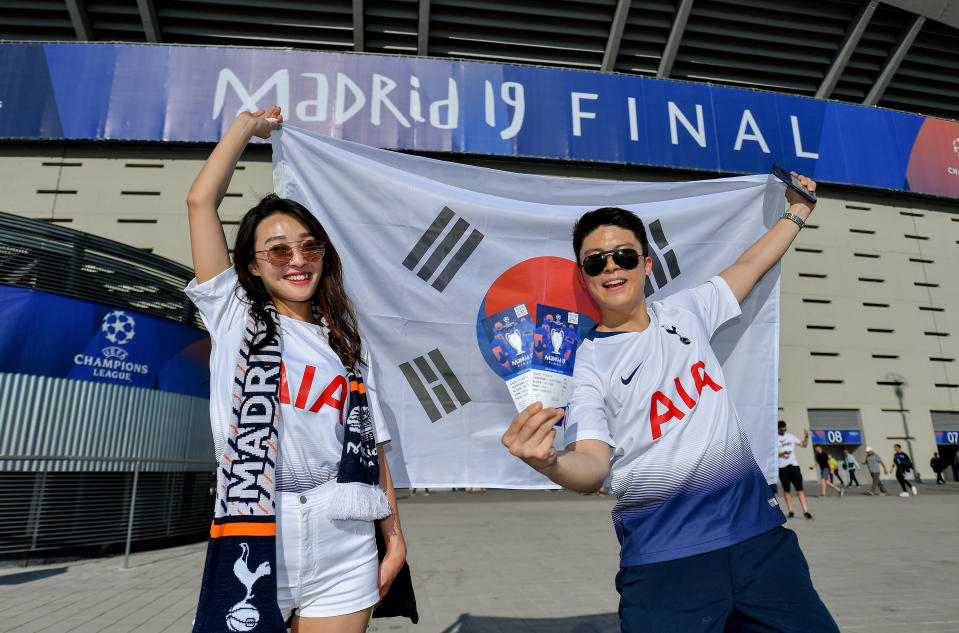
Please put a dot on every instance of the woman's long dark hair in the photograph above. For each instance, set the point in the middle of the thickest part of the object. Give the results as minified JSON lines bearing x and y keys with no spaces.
{"x":330,"y":297}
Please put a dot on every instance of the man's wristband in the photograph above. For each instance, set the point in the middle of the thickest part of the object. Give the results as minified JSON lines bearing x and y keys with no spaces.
{"x":795,"y":218}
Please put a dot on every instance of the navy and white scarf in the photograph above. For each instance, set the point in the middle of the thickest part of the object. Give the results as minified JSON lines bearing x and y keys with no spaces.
{"x":238,"y":592}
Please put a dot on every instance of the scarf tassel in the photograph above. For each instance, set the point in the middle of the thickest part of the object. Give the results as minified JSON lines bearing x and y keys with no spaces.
{"x":357,"y":501}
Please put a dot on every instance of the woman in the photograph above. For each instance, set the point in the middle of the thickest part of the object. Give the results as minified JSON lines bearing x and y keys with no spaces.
{"x":851,"y":464}
{"x":834,"y":470}
{"x":284,"y":292}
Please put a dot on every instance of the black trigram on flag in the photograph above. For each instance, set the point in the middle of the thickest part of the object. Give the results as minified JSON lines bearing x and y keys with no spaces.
{"x":431,"y":382}
{"x":444,"y":251}
{"x":656,"y":229}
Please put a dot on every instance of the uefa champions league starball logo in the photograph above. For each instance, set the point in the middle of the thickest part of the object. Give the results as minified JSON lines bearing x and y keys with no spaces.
{"x":118,"y":327}
{"x":955,"y":146}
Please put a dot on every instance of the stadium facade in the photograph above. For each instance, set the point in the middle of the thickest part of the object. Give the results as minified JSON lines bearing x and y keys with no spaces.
{"x":855,"y":94}
{"x":105,"y":395}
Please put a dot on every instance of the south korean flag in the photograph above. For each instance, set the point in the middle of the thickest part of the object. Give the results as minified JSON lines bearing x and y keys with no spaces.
{"x":430,"y":249}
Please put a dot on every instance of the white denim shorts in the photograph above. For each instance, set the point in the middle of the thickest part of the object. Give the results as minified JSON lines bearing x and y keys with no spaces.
{"x":325,"y":567}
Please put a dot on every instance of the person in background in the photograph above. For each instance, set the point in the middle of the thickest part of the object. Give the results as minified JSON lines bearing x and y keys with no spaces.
{"x":903,"y":464}
{"x":789,"y":473}
{"x":937,"y":466}
{"x":850,"y":464}
{"x":834,"y":470}
{"x":872,"y":463}
{"x":822,"y":464}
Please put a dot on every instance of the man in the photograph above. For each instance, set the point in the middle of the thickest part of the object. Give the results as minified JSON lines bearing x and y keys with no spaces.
{"x":903,"y":465}
{"x":825,"y":470}
{"x":789,"y":473}
{"x":702,"y":542}
{"x":938,"y":466}
{"x":872,"y":464}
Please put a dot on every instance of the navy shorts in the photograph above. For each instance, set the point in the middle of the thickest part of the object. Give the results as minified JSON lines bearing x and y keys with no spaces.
{"x":761,"y":584}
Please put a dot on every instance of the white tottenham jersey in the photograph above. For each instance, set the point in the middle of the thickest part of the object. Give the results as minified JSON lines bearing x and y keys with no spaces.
{"x":682,"y":468}
{"x":787,"y":442}
{"x":313,"y":389}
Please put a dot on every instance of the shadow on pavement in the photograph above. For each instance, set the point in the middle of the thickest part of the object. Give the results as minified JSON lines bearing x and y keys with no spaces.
{"x":599,"y":623}
{"x":27,"y":576}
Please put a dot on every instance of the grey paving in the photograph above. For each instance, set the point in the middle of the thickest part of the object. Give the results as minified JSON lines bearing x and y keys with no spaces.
{"x":535,"y":561}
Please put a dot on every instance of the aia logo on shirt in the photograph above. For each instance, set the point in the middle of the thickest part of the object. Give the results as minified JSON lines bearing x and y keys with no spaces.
{"x":334,"y":395}
{"x":662,"y":409}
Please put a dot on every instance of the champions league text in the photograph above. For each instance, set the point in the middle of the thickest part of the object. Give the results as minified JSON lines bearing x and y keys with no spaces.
{"x":111,"y":368}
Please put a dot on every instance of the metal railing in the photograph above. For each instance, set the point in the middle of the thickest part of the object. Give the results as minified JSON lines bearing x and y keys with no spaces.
{"x":55,"y":259}
{"x":44,"y":415}
{"x":47,"y":511}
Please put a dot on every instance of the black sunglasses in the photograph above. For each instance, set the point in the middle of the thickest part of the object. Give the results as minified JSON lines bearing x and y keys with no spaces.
{"x":625,"y":258}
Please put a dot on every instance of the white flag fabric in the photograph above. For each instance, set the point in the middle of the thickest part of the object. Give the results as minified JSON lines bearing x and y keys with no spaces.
{"x":431,"y":248}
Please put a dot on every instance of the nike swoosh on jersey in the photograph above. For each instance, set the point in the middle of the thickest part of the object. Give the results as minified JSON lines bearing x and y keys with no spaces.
{"x":626,"y":381}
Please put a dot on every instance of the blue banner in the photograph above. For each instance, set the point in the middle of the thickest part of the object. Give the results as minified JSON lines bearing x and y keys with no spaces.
{"x":50,"y":335}
{"x":947,"y":437}
{"x":836,"y":436}
{"x":170,"y":93}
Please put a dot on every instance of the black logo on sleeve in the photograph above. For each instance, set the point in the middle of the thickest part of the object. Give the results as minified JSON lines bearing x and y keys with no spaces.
{"x":672,"y":330}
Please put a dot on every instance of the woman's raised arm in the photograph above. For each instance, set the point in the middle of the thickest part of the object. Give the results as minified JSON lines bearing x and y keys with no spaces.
{"x":210,"y":252}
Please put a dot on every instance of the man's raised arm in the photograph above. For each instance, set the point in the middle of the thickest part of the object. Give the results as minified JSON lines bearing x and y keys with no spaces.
{"x":769,"y":249}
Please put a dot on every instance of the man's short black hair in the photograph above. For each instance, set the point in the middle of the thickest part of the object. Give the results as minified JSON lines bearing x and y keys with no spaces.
{"x":781,"y":424}
{"x":609,"y":216}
